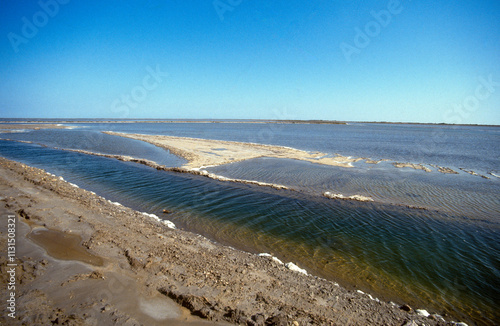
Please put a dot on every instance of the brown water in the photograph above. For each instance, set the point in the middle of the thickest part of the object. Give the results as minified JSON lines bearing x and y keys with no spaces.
{"x":65,"y":246}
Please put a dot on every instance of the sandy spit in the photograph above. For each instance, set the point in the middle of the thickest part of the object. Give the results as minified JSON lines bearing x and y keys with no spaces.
{"x":201,"y":153}
{"x":148,"y":265}
{"x":205,"y":152}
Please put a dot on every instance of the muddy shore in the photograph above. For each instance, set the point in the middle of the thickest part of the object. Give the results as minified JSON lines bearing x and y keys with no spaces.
{"x":128,"y":268}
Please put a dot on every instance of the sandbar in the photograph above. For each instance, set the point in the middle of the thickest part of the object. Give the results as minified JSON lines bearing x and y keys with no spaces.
{"x":202,"y":153}
{"x":411,"y":165}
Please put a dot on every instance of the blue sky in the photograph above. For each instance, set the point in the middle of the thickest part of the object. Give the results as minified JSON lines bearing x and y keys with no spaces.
{"x":412,"y":61}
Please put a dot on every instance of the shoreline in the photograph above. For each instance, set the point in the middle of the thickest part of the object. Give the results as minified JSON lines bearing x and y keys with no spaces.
{"x":213,"y":281}
{"x":258,"y":121}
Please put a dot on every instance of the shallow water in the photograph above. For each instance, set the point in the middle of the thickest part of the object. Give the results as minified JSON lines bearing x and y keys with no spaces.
{"x":444,"y":258}
{"x":64,"y":246}
{"x":457,"y":194}
{"x":94,"y":140}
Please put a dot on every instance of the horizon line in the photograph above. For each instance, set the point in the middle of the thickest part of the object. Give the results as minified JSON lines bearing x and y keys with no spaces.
{"x":246,"y":120}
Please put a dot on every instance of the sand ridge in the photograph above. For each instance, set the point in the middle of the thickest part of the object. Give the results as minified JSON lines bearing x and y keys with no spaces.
{"x":202,"y":153}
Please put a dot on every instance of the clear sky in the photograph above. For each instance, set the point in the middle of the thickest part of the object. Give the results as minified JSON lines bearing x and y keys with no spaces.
{"x":412,"y":61}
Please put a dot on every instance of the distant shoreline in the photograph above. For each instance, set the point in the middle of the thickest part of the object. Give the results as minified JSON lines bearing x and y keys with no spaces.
{"x":173,"y":121}
{"x":319,"y":122}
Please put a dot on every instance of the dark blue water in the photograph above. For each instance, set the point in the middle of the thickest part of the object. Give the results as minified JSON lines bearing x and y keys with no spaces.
{"x":444,"y":259}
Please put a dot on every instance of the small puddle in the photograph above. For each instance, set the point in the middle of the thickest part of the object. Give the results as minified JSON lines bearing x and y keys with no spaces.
{"x":63,"y":246}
